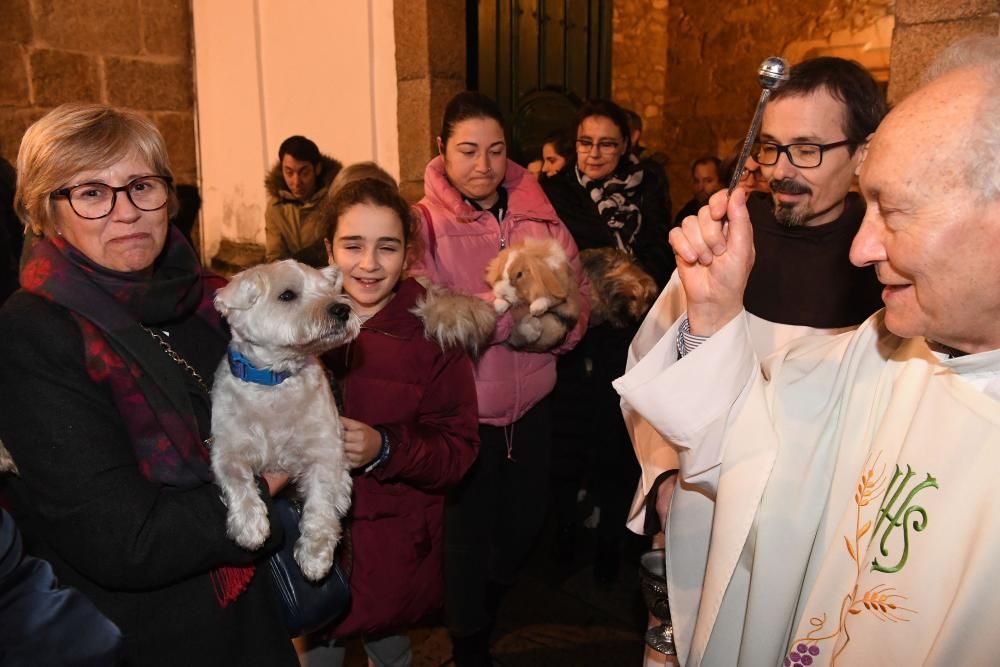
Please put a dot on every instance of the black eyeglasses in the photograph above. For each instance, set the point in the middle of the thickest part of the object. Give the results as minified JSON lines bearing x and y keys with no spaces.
{"x":804,"y":156}
{"x":604,"y":146}
{"x":96,"y":200}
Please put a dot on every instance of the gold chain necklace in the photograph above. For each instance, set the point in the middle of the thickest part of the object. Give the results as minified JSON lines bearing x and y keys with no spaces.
{"x":178,"y":359}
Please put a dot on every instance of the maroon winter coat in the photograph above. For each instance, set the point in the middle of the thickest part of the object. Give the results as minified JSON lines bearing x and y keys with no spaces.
{"x":393,"y":377}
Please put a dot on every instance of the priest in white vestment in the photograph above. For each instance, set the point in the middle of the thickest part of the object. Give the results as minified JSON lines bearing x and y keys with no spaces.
{"x":802,"y":281}
{"x":851,"y":479}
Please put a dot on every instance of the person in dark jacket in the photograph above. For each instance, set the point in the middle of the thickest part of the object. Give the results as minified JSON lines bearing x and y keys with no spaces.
{"x":411,"y":427}
{"x":107,"y":430}
{"x":11,"y":235}
{"x":606,"y":199}
{"x":41,"y":624}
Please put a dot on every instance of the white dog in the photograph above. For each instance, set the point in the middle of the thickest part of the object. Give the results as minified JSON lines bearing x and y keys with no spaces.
{"x":272,"y":407}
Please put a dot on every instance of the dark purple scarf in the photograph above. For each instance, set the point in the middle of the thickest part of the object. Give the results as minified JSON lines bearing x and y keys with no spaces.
{"x":148,"y":389}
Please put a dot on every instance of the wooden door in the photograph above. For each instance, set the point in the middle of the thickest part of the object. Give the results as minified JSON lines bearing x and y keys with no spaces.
{"x":539,"y":59}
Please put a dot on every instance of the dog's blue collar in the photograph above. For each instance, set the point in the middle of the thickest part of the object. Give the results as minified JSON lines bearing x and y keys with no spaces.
{"x":241,"y":367}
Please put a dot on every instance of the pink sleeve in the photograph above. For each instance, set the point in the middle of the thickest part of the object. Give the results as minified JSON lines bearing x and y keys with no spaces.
{"x":425,"y":266}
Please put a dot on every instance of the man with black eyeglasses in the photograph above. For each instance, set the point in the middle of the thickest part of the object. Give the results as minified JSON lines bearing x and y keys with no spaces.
{"x":809,"y":149}
{"x":811,"y":144}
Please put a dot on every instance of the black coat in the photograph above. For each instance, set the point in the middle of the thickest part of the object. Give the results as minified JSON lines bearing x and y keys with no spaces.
{"x":141,"y":551}
{"x":579,"y":213}
{"x":587,"y":419}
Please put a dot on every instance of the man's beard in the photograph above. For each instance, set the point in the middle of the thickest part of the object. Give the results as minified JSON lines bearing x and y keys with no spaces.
{"x":787,"y":214}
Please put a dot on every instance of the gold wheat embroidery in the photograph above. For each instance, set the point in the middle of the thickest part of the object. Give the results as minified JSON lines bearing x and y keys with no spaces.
{"x":881,"y":601}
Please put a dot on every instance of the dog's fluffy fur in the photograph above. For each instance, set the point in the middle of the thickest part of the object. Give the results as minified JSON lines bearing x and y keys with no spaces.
{"x":7,"y":461}
{"x":536,"y":273}
{"x":455,"y":320}
{"x":282,"y":315}
{"x":620,"y":291}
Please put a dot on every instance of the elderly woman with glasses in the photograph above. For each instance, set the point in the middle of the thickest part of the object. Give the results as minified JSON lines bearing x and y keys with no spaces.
{"x":109,"y":348}
{"x":607,"y":200}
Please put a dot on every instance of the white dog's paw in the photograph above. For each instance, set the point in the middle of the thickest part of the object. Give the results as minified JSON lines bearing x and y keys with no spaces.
{"x":315,"y":557}
{"x":539,"y":306}
{"x":250,"y":527}
{"x":529,"y":329}
{"x":501,"y":305}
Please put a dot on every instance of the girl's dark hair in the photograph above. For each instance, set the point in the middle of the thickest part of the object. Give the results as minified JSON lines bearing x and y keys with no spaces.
{"x":564,"y":144}
{"x":609,"y":110}
{"x":464,"y":106}
{"x":373,"y":192}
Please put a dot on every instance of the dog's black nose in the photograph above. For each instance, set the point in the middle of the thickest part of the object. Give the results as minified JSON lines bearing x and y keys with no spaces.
{"x":340,"y":311}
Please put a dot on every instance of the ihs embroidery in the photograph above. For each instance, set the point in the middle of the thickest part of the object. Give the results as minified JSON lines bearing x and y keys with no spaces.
{"x":882,"y":600}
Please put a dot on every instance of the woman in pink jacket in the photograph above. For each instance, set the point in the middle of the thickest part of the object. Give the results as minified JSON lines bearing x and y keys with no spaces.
{"x":476,"y":202}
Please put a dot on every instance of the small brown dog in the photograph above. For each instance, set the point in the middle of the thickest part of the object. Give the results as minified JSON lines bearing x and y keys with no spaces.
{"x":535,"y":273}
{"x":620,"y":291}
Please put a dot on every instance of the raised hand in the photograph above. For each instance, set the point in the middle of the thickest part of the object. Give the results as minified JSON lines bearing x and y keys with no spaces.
{"x":714,"y":260}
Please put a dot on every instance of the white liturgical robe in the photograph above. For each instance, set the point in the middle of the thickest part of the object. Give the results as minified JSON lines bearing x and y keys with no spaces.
{"x":847,"y":491}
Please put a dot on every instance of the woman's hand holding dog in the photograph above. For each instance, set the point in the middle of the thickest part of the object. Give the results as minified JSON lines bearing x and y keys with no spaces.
{"x":362,"y":443}
{"x":276,"y":481}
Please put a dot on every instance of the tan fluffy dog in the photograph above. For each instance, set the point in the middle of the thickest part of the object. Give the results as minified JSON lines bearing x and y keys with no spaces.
{"x":620,"y":291}
{"x":536,"y":274}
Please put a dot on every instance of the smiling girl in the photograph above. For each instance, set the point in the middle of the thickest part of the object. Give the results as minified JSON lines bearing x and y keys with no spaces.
{"x":410,"y":427}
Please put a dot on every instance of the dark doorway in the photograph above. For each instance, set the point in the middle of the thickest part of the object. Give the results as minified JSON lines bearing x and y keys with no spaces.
{"x":538,"y":59}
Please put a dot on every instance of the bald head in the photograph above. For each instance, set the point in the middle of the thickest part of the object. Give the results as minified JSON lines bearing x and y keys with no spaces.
{"x":934,"y":131}
{"x":981,"y":156}
{"x":933,"y":241}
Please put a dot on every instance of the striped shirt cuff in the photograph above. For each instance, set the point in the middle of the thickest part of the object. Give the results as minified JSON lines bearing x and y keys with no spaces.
{"x":687,"y":341}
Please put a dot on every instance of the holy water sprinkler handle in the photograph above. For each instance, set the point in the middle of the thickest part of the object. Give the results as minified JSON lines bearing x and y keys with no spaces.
{"x":771,"y":74}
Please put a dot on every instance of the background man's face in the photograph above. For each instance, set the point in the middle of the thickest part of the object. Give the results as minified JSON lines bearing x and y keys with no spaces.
{"x":934,"y":242}
{"x":300,"y":177}
{"x":705,"y":181}
{"x":811,"y":196}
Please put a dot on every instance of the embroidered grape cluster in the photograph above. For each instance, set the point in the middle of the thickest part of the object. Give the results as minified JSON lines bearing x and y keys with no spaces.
{"x":801,"y":656}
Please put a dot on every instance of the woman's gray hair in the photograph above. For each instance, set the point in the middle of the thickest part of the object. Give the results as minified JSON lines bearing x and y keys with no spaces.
{"x":983,"y":147}
{"x":78,"y":137}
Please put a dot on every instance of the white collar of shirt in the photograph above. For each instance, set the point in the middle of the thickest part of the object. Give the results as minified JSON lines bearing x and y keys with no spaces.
{"x":981,"y":370}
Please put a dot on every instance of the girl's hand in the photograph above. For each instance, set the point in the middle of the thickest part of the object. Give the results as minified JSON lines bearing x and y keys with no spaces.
{"x":276,"y":481}
{"x":362,"y":443}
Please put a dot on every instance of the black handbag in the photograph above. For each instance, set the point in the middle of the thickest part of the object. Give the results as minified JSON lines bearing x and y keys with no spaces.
{"x":308,"y":606}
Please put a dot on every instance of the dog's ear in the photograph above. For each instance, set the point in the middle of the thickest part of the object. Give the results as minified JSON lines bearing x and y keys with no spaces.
{"x":544,"y":279}
{"x":333,"y":274}
{"x":241,"y":292}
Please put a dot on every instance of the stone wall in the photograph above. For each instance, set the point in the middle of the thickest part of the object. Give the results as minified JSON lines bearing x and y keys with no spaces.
{"x":924,"y":27}
{"x":639,"y":63}
{"x":430,"y":72}
{"x":711,"y":59}
{"x":128,"y":53}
